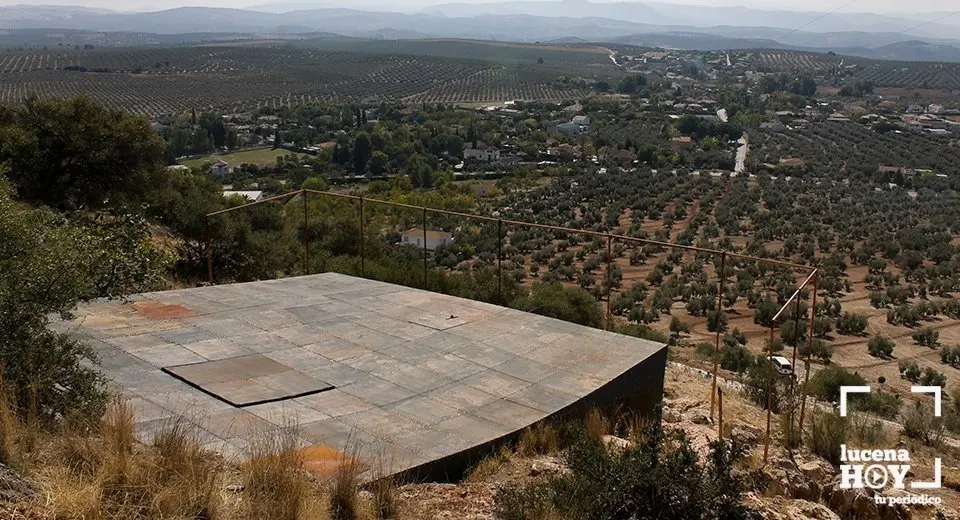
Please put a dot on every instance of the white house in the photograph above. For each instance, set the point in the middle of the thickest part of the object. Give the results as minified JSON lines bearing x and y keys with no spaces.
{"x":251,"y":196}
{"x":221,"y":168}
{"x":482,"y":152}
{"x":435,"y":239}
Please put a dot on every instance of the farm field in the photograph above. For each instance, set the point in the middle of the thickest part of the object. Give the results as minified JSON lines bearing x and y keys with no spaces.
{"x":807,"y":221}
{"x":154,"y":81}
{"x":258,"y":157}
{"x":882,"y":73}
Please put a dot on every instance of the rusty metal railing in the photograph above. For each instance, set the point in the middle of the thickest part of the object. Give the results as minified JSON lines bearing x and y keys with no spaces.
{"x":720,"y":257}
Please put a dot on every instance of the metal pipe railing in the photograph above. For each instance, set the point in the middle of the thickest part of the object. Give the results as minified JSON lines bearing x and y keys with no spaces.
{"x":610,"y":238}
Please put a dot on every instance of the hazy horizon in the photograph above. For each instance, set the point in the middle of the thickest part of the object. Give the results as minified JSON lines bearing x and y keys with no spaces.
{"x":861,"y":6}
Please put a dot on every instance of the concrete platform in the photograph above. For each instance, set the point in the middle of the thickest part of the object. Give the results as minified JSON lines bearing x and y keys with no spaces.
{"x":421,"y":380}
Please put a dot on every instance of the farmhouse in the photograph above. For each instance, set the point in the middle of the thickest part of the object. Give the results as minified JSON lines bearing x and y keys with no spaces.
{"x":480,"y":152}
{"x":565,"y":129}
{"x":221,"y":168}
{"x":435,"y":239}
{"x":682,"y":143}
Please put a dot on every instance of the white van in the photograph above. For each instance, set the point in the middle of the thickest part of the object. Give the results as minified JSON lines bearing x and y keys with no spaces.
{"x":783,"y":365}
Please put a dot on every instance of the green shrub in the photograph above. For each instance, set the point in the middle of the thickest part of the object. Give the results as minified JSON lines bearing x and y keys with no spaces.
{"x":919,"y":423}
{"x":817,"y":349}
{"x":910,"y":370}
{"x":827,"y":431}
{"x":826,"y":383}
{"x":761,"y":376}
{"x":660,"y":476}
{"x":736,"y":358}
{"x":931,"y":377}
{"x":850,"y":324}
{"x":926,"y":337}
{"x":571,"y":304}
{"x":950,"y":356}
{"x":880,"y":347}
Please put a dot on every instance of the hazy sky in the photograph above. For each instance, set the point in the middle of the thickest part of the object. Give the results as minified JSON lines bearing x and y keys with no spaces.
{"x":857,"y":6}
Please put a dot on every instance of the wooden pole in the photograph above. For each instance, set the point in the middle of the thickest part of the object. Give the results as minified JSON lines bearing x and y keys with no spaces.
{"x":362,"y":240}
{"x":806,"y":364}
{"x":720,"y":411}
{"x":209,"y":241}
{"x":609,"y":280}
{"x":500,"y":259}
{"x":425,"y":250}
{"x":306,"y":236}
{"x":716,"y":347}
{"x":766,"y":439}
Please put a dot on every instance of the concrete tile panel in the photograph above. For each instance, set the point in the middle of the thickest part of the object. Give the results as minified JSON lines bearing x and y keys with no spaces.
{"x":495,"y":383}
{"x":185,"y":335}
{"x":335,"y":403}
{"x":286,"y":413}
{"x":377,"y":391}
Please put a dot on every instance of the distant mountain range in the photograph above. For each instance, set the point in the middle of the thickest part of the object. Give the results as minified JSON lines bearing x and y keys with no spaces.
{"x":652,"y":24}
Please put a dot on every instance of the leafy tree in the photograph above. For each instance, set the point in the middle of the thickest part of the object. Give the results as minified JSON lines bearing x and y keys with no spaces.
{"x":49,"y":264}
{"x":76,"y":153}
{"x":851,"y":324}
{"x":362,"y":151}
{"x":880,"y":347}
{"x":826,"y":383}
{"x":565,"y":303}
{"x":378,"y":163}
{"x":678,"y":327}
{"x":926,"y":337}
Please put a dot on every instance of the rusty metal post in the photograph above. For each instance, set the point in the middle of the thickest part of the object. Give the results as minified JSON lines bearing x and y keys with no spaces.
{"x":793,"y":379}
{"x":362,"y":240}
{"x":766,"y":439}
{"x":716,"y":347}
{"x":609,"y":279}
{"x":720,"y":411}
{"x":500,"y":259}
{"x":306,"y":235}
{"x":425,"y":250}
{"x":806,"y":364}
{"x":209,"y":242}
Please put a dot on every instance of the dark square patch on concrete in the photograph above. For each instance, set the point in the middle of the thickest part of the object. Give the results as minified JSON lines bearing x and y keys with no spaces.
{"x":248,"y":380}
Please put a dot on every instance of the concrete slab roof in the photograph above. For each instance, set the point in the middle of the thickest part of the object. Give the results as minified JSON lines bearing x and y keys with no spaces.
{"x":358,"y":365}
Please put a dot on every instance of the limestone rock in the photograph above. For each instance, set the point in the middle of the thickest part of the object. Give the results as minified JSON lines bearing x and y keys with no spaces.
{"x":792,"y":484}
{"x":746,"y":434}
{"x":806,"y":510}
{"x":546,"y":466}
{"x":818,"y":470}
{"x":616,"y":442}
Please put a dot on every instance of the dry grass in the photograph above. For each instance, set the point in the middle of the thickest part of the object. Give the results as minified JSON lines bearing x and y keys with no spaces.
{"x":489,"y":466}
{"x":105,"y":474}
{"x":541,"y":439}
{"x":344,"y":488}
{"x":275,"y":486}
{"x":596,"y":424}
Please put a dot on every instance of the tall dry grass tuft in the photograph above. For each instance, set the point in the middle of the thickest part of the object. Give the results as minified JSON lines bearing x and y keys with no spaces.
{"x":186,"y":473}
{"x":597,"y":425}
{"x":489,"y":466}
{"x":103,"y":472}
{"x":385,"y":503}
{"x":10,"y":428}
{"x":345,"y":487}
{"x":275,"y":486}
{"x":540,"y":439}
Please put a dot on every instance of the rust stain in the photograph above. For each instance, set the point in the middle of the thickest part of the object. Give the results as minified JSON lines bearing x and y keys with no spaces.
{"x":324,"y":461}
{"x":162,"y":311}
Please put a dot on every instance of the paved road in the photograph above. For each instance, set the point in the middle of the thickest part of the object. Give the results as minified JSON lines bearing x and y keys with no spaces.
{"x":742,"y":154}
